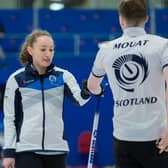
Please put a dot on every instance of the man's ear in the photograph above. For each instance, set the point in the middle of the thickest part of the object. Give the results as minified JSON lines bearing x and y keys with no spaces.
{"x":147,"y":18}
{"x":121,"y":21}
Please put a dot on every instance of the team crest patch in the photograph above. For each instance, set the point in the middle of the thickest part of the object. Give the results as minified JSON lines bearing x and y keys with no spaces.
{"x":53,"y":79}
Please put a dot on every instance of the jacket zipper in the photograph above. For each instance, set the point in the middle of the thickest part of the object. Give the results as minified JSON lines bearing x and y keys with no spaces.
{"x":43,"y":105}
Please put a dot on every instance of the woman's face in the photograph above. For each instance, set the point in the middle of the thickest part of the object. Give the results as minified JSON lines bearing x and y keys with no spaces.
{"x":42,"y":53}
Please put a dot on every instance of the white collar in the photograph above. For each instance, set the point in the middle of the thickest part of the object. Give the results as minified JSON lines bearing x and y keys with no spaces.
{"x":134,"y":31}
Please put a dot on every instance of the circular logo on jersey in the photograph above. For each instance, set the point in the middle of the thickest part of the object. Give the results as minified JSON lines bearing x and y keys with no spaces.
{"x":131,"y":71}
{"x":52,"y":79}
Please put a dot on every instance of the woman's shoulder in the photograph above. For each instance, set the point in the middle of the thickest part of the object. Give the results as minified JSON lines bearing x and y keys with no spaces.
{"x":16,"y":72}
{"x":66,"y":73}
{"x":60,"y":69}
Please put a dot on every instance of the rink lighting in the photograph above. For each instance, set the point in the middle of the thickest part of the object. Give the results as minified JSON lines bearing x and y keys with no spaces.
{"x":56,"y":6}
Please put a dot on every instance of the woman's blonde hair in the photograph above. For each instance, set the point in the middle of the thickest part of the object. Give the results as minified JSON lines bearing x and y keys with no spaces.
{"x":30,"y":39}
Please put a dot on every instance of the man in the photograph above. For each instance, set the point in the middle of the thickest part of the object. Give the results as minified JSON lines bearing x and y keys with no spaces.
{"x":136,"y":68}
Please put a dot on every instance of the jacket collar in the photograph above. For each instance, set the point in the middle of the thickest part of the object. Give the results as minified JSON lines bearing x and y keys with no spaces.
{"x":31,"y":70}
{"x":134,"y":31}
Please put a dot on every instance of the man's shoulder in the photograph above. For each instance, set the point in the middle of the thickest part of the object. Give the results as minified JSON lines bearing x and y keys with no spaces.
{"x":106,"y":44}
{"x":157,"y":37}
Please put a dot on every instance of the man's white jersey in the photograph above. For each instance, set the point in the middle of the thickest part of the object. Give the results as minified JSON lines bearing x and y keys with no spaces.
{"x":134,"y":64}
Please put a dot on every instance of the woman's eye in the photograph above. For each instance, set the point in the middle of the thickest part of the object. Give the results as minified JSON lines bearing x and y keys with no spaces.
{"x":51,"y":50}
{"x":43,"y":49}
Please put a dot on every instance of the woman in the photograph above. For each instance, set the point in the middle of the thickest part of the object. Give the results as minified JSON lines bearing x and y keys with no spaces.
{"x":33,"y":107}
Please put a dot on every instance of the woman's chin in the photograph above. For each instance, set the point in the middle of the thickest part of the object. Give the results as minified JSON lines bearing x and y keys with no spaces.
{"x":46,"y":64}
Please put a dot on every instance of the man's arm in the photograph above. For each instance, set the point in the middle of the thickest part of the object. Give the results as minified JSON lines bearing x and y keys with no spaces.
{"x":165,"y":72}
{"x":93,"y":84}
{"x":163,"y":141}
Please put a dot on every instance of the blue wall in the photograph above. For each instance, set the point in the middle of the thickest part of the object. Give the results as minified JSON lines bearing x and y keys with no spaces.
{"x":93,"y":25}
{"x":73,"y":21}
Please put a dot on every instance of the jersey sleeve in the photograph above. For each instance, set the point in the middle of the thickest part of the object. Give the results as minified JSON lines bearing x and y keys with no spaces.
{"x":164,"y":58}
{"x":72,"y":89}
{"x":9,"y":118}
{"x":98,"y":69}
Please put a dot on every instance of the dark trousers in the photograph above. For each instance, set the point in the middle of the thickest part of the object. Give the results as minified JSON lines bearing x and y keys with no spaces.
{"x":32,"y":160}
{"x":138,"y":155}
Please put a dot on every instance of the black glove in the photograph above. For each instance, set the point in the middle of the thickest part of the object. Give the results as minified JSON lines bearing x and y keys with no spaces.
{"x":85,"y":93}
